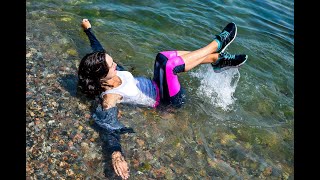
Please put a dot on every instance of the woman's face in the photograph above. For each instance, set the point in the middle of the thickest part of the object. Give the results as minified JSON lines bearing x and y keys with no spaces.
{"x":112,"y":67}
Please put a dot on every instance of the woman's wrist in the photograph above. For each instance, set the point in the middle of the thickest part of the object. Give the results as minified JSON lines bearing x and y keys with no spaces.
{"x":116,"y":154}
{"x":88,"y":29}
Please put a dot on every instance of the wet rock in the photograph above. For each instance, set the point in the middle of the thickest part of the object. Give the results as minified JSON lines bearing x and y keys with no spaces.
{"x":148,"y":155}
{"x":84,"y":146}
{"x":202,"y":173}
{"x":69,"y":172}
{"x":140,"y":142}
{"x":31,"y":113}
{"x":285,"y":176}
{"x":72,"y":52}
{"x":159,"y":173}
{"x":169,"y":174}
{"x":267,"y":171}
{"x":145,"y":166}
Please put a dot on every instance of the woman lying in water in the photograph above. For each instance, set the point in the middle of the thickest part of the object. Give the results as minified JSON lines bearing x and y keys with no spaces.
{"x":99,"y":75}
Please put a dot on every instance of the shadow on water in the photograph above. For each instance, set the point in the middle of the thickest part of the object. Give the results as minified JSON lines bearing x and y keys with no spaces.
{"x":69,"y":82}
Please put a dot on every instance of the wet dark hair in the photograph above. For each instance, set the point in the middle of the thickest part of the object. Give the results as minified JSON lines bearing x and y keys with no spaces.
{"x":92,"y":69}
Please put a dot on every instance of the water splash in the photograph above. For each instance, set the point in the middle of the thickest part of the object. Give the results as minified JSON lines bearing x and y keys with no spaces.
{"x":217,"y":88}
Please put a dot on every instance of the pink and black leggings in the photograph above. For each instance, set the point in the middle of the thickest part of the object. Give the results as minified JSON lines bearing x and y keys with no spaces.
{"x":166,"y":67}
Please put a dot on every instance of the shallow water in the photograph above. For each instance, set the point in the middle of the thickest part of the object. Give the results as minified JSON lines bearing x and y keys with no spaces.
{"x":237,"y":124}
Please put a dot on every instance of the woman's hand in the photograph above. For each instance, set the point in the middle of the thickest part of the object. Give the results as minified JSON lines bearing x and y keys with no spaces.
{"x":120,"y":166}
{"x":85,"y":24}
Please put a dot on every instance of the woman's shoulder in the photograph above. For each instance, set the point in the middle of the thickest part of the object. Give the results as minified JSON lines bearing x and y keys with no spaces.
{"x":124,"y":73}
{"x":110,"y":100}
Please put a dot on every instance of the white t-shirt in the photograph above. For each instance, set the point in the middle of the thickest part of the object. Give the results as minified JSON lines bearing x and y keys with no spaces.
{"x":135,"y":90}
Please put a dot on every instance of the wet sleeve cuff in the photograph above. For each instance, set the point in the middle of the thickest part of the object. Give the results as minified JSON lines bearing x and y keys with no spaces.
{"x":87,"y":30}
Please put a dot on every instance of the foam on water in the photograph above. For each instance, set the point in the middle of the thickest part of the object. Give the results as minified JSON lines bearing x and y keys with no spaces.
{"x":217,"y":88}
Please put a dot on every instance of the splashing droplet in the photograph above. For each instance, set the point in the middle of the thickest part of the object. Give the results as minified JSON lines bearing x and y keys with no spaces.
{"x":217,"y":88}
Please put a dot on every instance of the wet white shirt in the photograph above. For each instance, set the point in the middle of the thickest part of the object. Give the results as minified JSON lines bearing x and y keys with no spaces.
{"x":135,"y":90}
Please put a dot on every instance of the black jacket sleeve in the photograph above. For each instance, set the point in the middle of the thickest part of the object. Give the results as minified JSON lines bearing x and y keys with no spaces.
{"x":94,"y":43}
{"x":108,"y":121}
{"x":97,"y":47}
{"x":112,"y":142}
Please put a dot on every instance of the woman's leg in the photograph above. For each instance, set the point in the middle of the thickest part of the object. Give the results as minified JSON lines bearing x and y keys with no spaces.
{"x":211,"y":58}
{"x":200,"y":56}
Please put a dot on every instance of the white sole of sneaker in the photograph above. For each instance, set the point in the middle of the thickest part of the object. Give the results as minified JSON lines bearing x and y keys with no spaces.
{"x":231,"y":39}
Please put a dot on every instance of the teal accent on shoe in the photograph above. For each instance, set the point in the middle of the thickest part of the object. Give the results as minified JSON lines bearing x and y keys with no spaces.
{"x":229,"y":56}
{"x":217,"y":61}
{"x":219,"y":44}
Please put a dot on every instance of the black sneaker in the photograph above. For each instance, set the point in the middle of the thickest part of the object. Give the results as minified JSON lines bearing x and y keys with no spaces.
{"x":226,"y":61}
{"x":227,"y":36}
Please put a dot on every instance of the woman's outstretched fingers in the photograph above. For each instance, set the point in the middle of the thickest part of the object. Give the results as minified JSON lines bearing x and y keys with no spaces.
{"x":120,"y":166}
{"x":121,"y":169}
{"x":125,"y":169}
{"x":116,"y":170}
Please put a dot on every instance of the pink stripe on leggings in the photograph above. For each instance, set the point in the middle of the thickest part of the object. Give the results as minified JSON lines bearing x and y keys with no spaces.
{"x":169,"y":54}
{"x":172,"y":79}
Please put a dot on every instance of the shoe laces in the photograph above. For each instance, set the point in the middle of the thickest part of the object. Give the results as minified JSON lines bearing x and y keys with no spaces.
{"x":228,"y":59}
{"x":224,"y":35}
